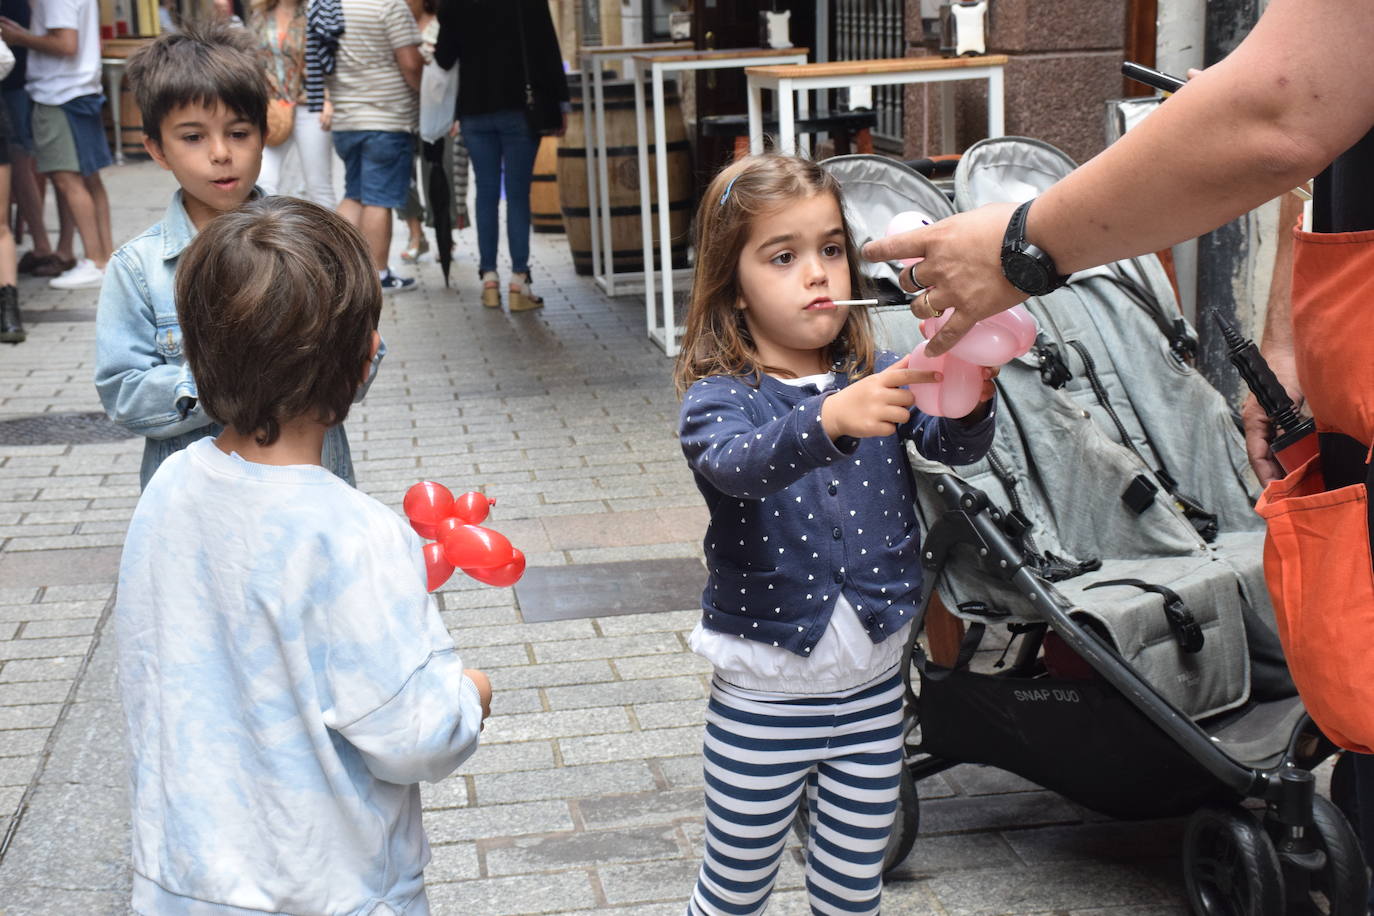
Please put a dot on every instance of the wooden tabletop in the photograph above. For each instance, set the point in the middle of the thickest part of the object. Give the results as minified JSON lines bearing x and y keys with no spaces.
{"x":867,"y":67}
{"x":631,"y":49}
{"x":720,"y":54}
{"x":122,"y":47}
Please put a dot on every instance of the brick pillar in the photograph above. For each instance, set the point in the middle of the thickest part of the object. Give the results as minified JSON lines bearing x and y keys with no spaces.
{"x":1065,"y":64}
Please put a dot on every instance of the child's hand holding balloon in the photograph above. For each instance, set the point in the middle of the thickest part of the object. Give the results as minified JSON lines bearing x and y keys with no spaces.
{"x":876,"y":404}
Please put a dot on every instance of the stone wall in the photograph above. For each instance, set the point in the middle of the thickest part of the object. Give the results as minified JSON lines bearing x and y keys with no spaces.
{"x":1065,"y":64}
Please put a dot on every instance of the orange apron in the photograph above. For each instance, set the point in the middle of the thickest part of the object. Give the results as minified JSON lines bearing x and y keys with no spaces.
{"x":1317,"y":554}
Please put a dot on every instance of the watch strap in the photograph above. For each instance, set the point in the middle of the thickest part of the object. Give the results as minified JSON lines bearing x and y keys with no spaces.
{"x":1014,"y":242}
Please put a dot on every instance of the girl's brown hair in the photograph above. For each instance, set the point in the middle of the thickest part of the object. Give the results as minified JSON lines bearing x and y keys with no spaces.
{"x":716,"y":340}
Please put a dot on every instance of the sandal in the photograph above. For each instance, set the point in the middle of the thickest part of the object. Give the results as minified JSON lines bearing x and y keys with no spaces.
{"x":415,"y":251}
{"x":521,"y":299}
{"x":491,"y":289}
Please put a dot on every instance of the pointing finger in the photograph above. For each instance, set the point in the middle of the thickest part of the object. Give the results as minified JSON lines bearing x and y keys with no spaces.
{"x":903,"y":245}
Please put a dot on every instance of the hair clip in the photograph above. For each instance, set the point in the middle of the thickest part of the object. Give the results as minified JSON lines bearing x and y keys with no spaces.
{"x":726,"y":196}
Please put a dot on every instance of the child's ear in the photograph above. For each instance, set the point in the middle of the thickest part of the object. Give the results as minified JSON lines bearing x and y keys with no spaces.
{"x":154,"y":149}
{"x":371,"y":355}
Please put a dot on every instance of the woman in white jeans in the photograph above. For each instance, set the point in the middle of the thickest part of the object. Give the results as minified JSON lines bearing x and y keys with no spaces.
{"x":279,"y":27}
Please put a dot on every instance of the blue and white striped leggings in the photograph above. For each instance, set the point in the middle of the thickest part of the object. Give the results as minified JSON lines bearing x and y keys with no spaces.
{"x":844,"y":751}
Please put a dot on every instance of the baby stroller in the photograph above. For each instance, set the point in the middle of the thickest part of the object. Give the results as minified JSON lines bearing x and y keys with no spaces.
{"x":1111,"y":530}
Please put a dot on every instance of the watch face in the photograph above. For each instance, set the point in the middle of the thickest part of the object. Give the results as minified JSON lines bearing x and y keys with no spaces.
{"x":1024,"y":272}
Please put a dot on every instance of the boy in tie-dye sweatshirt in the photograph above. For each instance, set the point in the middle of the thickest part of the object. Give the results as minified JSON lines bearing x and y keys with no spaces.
{"x":286,"y":677}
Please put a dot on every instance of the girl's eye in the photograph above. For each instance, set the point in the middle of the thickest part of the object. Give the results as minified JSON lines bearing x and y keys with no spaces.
{"x":832,"y":251}
{"x":782,"y":259}
{"x":190,"y":138}
{"x":240,"y":135}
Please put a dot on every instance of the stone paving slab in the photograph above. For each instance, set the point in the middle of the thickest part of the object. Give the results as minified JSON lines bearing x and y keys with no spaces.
{"x":586,"y":796}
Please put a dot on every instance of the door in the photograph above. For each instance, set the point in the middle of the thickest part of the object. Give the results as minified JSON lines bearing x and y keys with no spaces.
{"x":722,"y":24}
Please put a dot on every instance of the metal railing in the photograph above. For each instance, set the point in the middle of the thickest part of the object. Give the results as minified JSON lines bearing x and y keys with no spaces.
{"x":868,"y":29}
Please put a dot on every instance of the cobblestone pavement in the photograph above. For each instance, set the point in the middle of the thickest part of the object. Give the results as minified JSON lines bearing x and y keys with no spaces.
{"x":586,"y":794}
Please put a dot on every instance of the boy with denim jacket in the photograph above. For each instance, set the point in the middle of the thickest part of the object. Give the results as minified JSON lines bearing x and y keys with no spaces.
{"x":204,"y":103}
{"x":285,"y":675}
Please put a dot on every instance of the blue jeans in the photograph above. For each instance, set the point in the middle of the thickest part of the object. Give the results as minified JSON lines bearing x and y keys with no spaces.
{"x":497,"y":139}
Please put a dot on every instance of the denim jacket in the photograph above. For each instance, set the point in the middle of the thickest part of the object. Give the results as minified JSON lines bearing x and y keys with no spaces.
{"x":797,"y":519}
{"x":140,"y":373}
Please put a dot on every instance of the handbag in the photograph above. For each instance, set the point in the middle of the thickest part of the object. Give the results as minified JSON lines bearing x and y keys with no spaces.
{"x":541,"y":117}
{"x":281,"y":113}
{"x":281,"y":117}
{"x":438,"y":100}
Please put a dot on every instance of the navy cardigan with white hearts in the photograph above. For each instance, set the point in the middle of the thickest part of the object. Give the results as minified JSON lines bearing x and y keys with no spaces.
{"x":797,"y":518}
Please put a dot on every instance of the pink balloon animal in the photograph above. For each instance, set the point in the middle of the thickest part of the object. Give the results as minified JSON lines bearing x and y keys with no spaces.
{"x":991,"y":342}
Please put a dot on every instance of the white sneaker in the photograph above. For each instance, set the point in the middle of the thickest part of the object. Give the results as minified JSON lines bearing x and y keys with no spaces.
{"x":85,"y":275}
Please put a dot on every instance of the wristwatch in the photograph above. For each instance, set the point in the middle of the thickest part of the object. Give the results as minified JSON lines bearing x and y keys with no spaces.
{"x":1026,"y":267}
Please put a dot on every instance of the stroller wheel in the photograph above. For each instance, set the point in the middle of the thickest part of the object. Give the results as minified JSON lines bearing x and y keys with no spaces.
{"x":904,"y":827}
{"x":1341,"y":887}
{"x":1230,"y":867}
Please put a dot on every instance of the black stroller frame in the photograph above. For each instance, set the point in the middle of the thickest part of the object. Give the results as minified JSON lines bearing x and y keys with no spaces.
{"x":1128,"y":750}
{"x":1302,"y":848}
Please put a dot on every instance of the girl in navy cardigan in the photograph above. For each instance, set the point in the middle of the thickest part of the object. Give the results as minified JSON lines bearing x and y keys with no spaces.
{"x":794,"y":426}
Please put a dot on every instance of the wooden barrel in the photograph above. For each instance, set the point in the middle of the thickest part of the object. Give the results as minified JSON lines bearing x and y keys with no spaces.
{"x":544,"y":213}
{"x":128,"y":134}
{"x":130,"y":123}
{"x":623,"y":179}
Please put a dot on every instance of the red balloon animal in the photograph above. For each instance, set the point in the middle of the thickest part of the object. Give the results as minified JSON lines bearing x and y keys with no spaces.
{"x":459,"y":540}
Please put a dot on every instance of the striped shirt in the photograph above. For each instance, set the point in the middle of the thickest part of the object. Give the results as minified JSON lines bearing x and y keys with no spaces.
{"x":367,"y":88}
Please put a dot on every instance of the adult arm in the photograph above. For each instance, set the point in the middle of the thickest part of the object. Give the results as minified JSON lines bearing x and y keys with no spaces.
{"x":404,"y":38}
{"x":58,"y":42}
{"x":1278,"y":109}
{"x":446,"y":45}
{"x":411,"y":63}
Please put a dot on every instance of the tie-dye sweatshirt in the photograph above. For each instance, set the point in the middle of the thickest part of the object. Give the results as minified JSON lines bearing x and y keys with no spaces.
{"x":287,"y":680}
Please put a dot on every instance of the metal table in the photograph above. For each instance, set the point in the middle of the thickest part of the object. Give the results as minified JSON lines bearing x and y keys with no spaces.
{"x":656,"y":65}
{"x":787,"y":80}
{"x":592,"y":59}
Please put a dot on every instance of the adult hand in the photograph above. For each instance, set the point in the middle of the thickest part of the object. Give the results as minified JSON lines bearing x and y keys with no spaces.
{"x":13,"y":33}
{"x":327,"y":115}
{"x":1259,"y":431}
{"x":875,"y":405}
{"x":562,"y":127}
{"x":963,"y":267}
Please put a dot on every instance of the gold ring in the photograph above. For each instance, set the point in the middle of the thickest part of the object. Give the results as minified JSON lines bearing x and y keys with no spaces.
{"x":934,"y":312}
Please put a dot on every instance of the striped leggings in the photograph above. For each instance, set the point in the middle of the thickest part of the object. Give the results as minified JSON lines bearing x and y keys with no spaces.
{"x":844,"y":751}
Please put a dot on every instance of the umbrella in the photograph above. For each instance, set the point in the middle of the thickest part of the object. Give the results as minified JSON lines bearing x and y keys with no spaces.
{"x":438,"y":193}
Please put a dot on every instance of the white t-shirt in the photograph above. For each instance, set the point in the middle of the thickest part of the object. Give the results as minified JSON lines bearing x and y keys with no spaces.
{"x":286,"y":680}
{"x":54,"y":80}
{"x":844,"y":657}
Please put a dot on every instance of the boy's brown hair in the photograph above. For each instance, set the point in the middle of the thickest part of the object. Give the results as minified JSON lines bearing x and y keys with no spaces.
{"x":202,"y":64}
{"x":277,"y":302}
{"x":716,"y":340}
